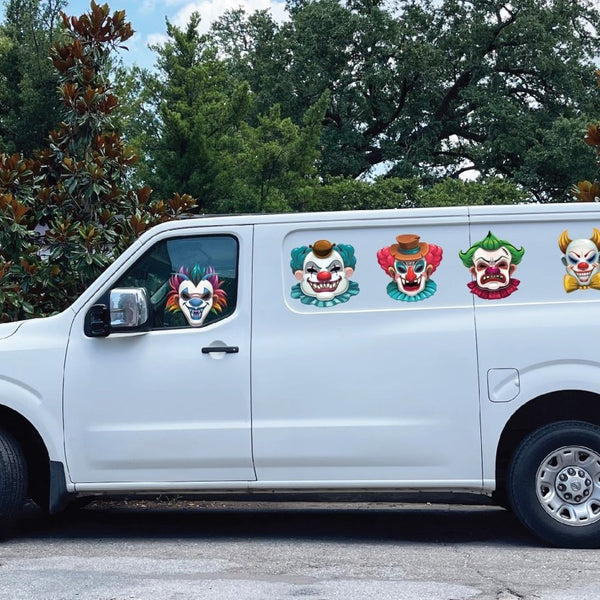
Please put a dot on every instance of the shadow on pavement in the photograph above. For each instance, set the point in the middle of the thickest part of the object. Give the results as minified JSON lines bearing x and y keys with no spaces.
{"x":398,"y":523}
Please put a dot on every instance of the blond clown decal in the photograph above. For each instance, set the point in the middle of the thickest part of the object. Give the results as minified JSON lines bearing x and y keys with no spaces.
{"x":492,"y":262}
{"x":323,"y":270}
{"x":581,"y":260}
{"x":410,"y":264}
{"x":196,"y":292}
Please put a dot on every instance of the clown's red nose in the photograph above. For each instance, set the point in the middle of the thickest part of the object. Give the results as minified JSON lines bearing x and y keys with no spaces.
{"x":492,"y":271}
{"x":323,"y":275}
{"x":583,"y":266}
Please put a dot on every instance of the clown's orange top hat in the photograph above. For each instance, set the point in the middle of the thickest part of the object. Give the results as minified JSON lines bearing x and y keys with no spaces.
{"x":409,"y":247}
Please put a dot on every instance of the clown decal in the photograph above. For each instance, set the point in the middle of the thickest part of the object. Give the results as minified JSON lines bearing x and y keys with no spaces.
{"x":196,"y":292}
{"x":581,"y":259}
{"x":492,"y":262}
{"x":410,"y":264}
{"x":324,"y":271}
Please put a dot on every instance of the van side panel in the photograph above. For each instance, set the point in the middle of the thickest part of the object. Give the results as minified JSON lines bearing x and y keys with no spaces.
{"x":372,"y":389}
{"x":548,"y":335}
{"x":31,"y":376}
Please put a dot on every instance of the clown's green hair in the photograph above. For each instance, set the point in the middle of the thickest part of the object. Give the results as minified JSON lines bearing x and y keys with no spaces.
{"x":196,"y":274}
{"x":491,"y":243}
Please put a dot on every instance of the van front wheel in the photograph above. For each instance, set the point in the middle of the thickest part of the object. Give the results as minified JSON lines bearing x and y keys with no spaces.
{"x":554,"y":484}
{"x":13,"y":481}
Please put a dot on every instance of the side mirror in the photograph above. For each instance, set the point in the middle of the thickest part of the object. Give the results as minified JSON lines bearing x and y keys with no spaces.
{"x":129,"y":309}
{"x":128,"y":312}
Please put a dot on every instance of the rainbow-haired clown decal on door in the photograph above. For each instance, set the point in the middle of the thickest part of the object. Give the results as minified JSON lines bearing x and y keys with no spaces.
{"x":581,"y":259}
{"x":196,"y":292}
{"x":492,"y":262}
{"x":323,"y":270}
{"x":410,"y":263}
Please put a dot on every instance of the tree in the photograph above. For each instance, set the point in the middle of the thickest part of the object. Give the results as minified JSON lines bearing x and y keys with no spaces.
{"x":21,"y":279}
{"x":209,"y":139}
{"x":428,"y":89}
{"x":196,"y":107}
{"x":65,"y":215}
{"x":29,"y":106}
{"x":392,"y":192}
{"x":272,"y":167}
{"x":585,"y":190}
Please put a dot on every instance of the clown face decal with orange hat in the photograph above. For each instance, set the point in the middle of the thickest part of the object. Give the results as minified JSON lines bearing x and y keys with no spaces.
{"x":410,"y":264}
{"x":323,"y":270}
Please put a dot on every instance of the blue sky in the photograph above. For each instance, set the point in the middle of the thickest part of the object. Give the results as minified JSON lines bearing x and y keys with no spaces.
{"x":148,"y":18}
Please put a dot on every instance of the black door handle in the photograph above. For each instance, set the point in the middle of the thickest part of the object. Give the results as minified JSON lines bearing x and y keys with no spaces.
{"x":226,"y":349}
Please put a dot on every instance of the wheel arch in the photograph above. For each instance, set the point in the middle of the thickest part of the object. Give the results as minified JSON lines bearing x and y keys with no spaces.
{"x":46,"y":478}
{"x":34,"y":449}
{"x":563,"y":405}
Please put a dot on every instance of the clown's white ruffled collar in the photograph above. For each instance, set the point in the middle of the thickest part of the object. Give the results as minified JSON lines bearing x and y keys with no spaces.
{"x":428,"y":291}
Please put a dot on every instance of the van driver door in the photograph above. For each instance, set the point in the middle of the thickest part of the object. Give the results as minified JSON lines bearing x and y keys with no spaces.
{"x":162,"y":406}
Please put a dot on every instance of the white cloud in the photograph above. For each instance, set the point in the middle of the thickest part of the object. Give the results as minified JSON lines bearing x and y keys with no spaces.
{"x":151,"y":16}
{"x":147,"y":6}
{"x":210,"y":10}
{"x":157,"y":39}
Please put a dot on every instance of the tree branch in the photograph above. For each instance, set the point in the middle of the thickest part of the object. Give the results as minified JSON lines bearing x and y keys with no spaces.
{"x":380,"y":126}
{"x":465,"y":78}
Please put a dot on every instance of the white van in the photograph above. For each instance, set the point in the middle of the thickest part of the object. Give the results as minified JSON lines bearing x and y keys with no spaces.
{"x":432,"y":349}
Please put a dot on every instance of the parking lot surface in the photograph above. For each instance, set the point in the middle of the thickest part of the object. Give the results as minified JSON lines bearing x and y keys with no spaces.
{"x":238,"y":550}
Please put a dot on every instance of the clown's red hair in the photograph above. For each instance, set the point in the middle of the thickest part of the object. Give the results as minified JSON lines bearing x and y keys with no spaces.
{"x":433,"y":257}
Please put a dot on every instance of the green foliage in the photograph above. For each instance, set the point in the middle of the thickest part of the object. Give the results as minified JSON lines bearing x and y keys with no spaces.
{"x":21,"y":275}
{"x":429,"y":89}
{"x":350,"y":194}
{"x":210,"y":141}
{"x":196,"y":107}
{"x":585,"y":190}
{"x":65,"y":215}
{"x":559,"y":154}
{"x":454,"y":192}
{"x":29,"y":107}
{"x":271,"y":167}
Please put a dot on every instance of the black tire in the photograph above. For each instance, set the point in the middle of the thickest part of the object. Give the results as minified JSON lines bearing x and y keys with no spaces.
{"x":13,"y":481}
{"x":554,"y":484}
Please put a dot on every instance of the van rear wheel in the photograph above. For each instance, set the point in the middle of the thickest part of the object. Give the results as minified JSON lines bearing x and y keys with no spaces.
{"x":13,"y":481}
{"x":554,"y":484}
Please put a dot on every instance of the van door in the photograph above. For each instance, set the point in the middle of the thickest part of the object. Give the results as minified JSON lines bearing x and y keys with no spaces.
{"x":157,"y":406}
{"x":366,"y":381}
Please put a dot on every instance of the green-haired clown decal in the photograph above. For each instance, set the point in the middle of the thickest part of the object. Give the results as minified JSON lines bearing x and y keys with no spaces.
{"x":323,"y":271}
{"x":196,"y":292}
{"x":492,"y":262}
{"x":410,"y":264}
{"x":581,"y":260}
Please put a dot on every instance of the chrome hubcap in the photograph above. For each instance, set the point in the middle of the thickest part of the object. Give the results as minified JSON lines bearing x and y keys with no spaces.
{"x":568,"y":485}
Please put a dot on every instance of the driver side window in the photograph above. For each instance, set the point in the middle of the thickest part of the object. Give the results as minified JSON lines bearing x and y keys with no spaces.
{"x":191,"y":281}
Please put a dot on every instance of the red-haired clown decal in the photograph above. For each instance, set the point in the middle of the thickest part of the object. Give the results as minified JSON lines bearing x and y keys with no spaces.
{"x":323,"y":270}
{"x":581,"y":260}
{"x":410,"y":264}
{"x":195,"y":292}
{"x":492,"y":262}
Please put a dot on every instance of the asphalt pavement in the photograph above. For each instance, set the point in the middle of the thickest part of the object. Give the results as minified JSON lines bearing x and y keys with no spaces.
{"x":197,"y":550}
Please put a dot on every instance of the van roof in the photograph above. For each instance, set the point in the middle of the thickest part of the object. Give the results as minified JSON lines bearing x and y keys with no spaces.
{"x":533,"y":210}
